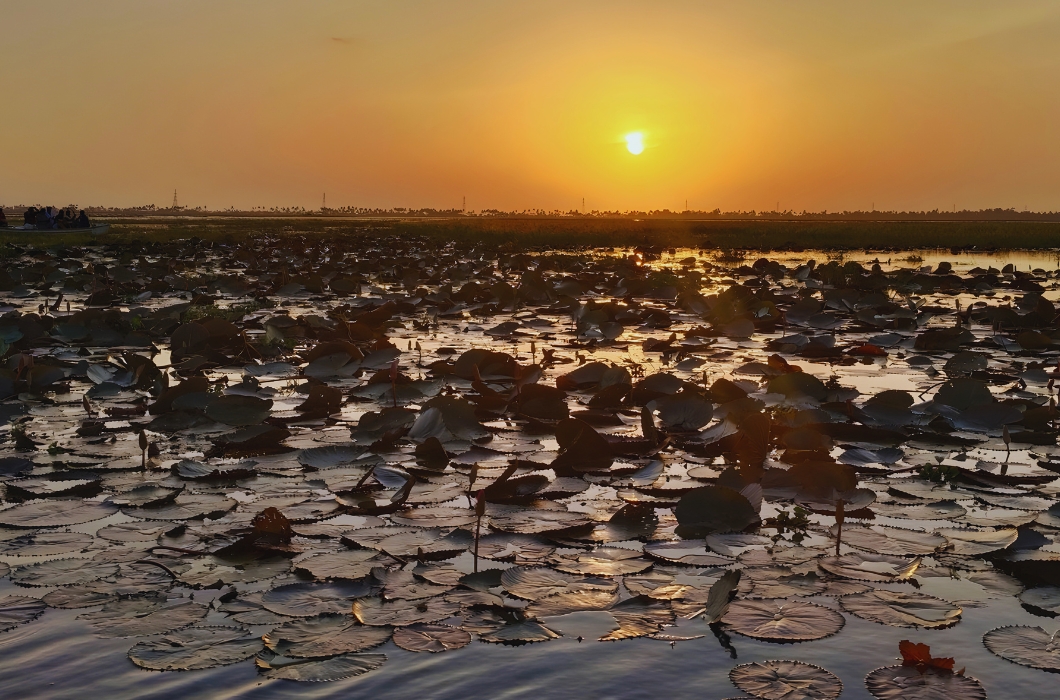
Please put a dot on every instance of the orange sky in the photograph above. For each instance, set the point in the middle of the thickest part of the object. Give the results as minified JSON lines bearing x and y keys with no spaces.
{"x":815,"y":105}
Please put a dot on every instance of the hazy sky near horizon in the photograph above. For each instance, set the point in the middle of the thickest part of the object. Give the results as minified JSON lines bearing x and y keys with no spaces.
{"x":742,"y":105}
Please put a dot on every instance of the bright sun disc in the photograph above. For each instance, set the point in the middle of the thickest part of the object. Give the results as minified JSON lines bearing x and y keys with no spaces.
{"x":635,"y":143}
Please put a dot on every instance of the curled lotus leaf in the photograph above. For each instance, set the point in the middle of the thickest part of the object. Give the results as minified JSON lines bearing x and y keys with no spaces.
{"x":684,"y":410}
{"x":239,"y":410}
{"x":782,"y":582}
{"x":786,"y":680}
{"x":308,"y":599}
{"x":431,"y":638}
{"x":865,"y":566}
{"x":603,"y":561}
{"x":779,"y":620}
{"x":63,"y":572}
{"x":535,"y":583}
{"x":1026,"y":646}
{"x":910,"y":683}
{"x":639,"y":616}
{"x":272,"y":665}
{"x":975,"y":542}
{"x":16,"y":610}
{"x":324,"y":635}
{"x":55,"y":513}
{"x":195,"y":648}
{"x":518,"y":633}
{"x":902,"y":609}
{"x":710,"y":509}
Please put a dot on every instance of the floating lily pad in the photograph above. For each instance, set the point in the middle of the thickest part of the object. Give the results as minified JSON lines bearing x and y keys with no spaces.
{"x":1026,"y":646}
{"x":431,"y":638}
{"x":16,"y":610}
{"x":572,"y":601}
{"x":195,"y":648}
{"x":781,"y":620}
{"x":63,"y":572}
{"x":910,"y":683}
{"x":864,"y":566}
{"x":1045,"y":598}
{"x":308,"y":599}
{"x":42,"y":544}
{"x":902,"y":609}
{"x":638,"y":616}
{"x":401,"y":613}
{"x":975,"y":542}
{"x":890,"y":540}
{"x":143,"y":616}
{"x":55,"y":513}
{"x":535,"y":583}
{"x":603,"y":561}
{"x":324,"y":635}
{"x":272,"y":665}
{"x":786,"y":680}
{"x":518,"y":633}
{"x":350,"y":564}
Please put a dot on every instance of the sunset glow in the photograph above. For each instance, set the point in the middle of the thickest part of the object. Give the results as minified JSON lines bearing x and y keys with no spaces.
{"x":516,"y":105}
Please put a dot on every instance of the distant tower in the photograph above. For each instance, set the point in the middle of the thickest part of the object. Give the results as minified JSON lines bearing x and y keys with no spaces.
{"x":175,"y":205}
{"x":583,"y":205}
{"x":463,"y":207}
{"x":324,"y":204}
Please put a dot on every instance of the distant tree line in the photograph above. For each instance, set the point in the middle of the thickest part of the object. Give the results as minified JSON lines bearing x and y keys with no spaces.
{"x":997,"y":214}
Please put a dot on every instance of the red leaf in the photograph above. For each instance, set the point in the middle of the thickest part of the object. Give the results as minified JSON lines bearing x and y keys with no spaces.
{"x":919,"y":655}
{"x":915,"y":653}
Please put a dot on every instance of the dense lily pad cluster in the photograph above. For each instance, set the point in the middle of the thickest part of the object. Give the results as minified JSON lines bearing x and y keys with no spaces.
{"x":339,"y":443}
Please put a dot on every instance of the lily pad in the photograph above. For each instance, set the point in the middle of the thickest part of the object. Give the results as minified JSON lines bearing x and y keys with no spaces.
{"x":272,"y":665}
{"x":195,"y":648}
{"x":17,"y":610}
{"x":780,"y":620}
{"x":1026,"y":646}
{"x":902,"y":609}
{"x":431,"y":638}
{"x":55,"y":513}
{"x":308,"y":599}
{"x":786,"y":680}
{"x":603,"y":561}
{"x":324,"y":635}
{"x":910,"y":683}
{"x":535,"y":583}
{"x":63,"y":572}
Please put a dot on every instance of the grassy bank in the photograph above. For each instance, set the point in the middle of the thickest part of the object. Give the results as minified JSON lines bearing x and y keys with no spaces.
{"x":565,"y":233}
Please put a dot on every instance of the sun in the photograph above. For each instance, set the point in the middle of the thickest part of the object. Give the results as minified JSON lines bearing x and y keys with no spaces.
{"x":635,"y":143}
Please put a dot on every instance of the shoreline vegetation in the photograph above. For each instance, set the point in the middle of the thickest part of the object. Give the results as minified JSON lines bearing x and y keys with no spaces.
{"x":568,"y":233}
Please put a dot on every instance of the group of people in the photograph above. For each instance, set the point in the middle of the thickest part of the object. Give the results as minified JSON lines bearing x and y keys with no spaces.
{"x":51,"y":218}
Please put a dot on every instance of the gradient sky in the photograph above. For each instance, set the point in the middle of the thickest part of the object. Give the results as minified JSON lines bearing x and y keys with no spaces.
{"x":743,"y":105}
